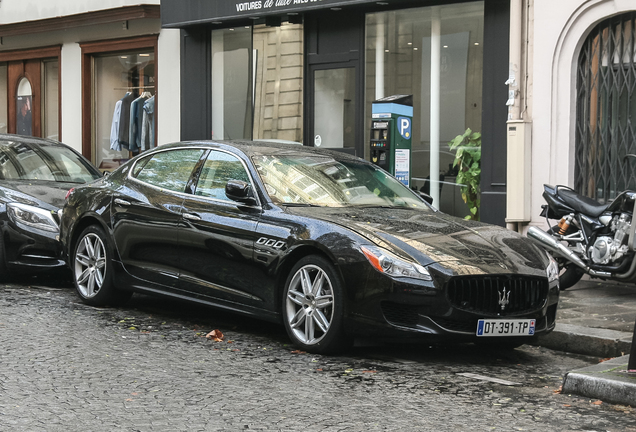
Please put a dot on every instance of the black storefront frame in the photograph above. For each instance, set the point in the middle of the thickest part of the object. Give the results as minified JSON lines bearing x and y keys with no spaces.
{"x":196,"y":119}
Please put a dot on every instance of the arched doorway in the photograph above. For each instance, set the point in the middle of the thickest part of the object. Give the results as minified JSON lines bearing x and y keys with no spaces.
{"x":606,"y":110}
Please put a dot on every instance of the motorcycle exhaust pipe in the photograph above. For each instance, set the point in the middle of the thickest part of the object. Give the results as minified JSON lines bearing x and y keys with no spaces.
{"x":548,"y":242}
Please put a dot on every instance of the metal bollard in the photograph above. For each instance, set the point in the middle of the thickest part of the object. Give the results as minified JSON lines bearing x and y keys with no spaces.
{"x":631,"y":366}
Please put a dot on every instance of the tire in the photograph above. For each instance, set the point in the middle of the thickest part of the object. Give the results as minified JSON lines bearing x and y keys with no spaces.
{"x":314,"y":315}
{"x":4,"y":270}
{"x":570,"y":274}
{"x":92,"y":269}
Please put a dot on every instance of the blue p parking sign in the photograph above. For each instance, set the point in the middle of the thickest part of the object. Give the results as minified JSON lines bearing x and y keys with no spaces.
{"x":404,"y":127}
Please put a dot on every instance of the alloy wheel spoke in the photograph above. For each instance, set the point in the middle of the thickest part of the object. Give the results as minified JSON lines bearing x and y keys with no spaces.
{"x":90,"y":285}
{"x":298,"y":319}
{"x":305,"y":281}
{"x":82,"y":259}
{"x":321,"y":320}
{"x":309,"y":330}
{"x":90,"y":250}
{"x":296,"y":297}
{"x":323,"y":302}
{"x":99,"y":278}
{"x":100,"y":263}
{"x":317,"y":285}
{"x":84,"y":276}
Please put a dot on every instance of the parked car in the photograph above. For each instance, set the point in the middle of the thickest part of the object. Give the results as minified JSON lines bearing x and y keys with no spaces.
{"x":35,"y":175}
{"x":327,"y":243}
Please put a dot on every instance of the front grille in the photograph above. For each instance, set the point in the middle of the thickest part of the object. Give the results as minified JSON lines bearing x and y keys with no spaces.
{"x":488,"y":294}
{"x":400,"y":314}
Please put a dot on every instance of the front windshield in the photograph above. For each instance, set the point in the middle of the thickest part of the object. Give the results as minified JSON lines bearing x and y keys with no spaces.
{"x":29,"y":161}
{"x":321,"y":180}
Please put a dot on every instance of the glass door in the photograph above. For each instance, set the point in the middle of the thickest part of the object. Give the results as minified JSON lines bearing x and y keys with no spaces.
{"x":333,"y":107}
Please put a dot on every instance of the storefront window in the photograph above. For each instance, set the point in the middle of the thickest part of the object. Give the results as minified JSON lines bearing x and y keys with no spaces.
{"x":3,"y":98}
{"x":123,"y":93}
{"x":257,"y":75}
{"x":50,"y":102}
{"x":398,"y":61}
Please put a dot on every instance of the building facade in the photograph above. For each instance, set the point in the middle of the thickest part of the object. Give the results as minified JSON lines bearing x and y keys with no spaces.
{"x":574,"y":105}
{"x":308,"y":71}
{"x":64,"y":65}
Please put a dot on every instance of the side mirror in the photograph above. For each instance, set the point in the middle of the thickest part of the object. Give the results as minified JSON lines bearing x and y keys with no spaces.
{"x":426,"y":197}
{"x":239,"y":191}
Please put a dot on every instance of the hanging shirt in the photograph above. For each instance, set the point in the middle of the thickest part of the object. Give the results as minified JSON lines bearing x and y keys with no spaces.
{"x":148,"y":128}
{"x":124,"y":119}
{"x":136,"y":118}
{"x":114,"y":128}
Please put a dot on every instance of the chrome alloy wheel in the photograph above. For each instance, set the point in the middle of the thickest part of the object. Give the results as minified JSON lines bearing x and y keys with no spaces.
{"x":90,"y":265}
{"x":310,"y":304}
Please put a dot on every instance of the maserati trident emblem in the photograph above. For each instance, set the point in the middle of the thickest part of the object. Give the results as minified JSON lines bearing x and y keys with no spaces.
{"x":504,"y":298}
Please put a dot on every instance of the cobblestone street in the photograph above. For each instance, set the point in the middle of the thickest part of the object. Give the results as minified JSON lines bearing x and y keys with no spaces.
{"x":147,"y":366}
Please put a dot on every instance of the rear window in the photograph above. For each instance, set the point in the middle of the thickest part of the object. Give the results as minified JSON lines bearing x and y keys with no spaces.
{"x":168,"y":169}
{"x":30,"y":161}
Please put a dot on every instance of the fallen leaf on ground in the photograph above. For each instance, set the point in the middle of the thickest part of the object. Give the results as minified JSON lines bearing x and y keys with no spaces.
{"x":567,"y":405}
{"x":604,"y":359}
{"x":215,"y":335}
{"x":298,"y":352}
{"x":559,"y":390}
{"x":598,"y":402}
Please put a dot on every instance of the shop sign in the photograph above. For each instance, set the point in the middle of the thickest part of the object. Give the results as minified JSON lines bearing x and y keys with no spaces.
{"x":199,"y":11}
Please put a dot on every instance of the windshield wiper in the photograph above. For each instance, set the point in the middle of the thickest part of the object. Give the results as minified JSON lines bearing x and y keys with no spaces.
{"x":299,"y":205}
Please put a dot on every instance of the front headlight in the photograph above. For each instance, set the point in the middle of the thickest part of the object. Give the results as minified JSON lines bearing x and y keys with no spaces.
{"x":33,"y":217}
{"x":387,"y":263}
{"x":553,"y":269}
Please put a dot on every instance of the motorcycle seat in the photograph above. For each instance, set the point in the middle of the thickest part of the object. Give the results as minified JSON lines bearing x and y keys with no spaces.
{"x":582,"y":204}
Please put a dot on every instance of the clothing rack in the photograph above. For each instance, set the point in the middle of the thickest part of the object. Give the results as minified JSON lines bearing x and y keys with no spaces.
{"x":134,"y":88}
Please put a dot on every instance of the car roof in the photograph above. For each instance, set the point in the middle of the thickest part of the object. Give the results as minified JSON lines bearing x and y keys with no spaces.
{"x":12,"y":138}
{"x":265,"y":148}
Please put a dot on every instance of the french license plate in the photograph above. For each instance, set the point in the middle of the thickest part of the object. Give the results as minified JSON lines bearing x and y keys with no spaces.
{"x":500,"y":327}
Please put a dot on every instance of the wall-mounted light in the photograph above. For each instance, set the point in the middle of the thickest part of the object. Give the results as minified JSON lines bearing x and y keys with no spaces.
{"x":476,"y":43}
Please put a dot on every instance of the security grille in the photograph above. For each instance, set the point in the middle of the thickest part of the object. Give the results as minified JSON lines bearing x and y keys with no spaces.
{"x":606,"y":110}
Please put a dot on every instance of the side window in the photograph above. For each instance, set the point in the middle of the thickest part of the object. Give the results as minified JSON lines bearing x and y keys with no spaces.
{"x":219,"y":168}
{"x":169,"y":169}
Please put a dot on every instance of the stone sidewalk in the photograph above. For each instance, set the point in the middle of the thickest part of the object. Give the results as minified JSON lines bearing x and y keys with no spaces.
{"x":597,"y":318}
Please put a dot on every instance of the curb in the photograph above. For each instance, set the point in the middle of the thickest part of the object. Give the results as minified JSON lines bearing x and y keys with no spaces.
{"x":608,"y":381}
{"x":588,"y":341}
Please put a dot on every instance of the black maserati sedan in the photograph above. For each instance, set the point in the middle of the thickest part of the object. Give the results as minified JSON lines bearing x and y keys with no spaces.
{"x":35,"y":175}
{"x":327,"y":243}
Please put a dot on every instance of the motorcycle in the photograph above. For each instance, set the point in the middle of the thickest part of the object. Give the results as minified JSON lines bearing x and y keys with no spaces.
{"x":589,"y":238}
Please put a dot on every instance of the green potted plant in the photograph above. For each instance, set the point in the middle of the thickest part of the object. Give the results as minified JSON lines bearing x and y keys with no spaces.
{"x":468,"y":163}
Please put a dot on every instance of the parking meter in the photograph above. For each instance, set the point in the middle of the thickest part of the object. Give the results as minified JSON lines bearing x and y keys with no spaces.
{"x":390,"y":144}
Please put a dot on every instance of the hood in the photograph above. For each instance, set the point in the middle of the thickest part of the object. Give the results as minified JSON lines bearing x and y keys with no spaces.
{"x":465,"y":247}
{"x":45,"y":194}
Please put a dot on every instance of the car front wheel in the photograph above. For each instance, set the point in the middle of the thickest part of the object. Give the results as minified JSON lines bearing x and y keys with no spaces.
{"x":313,"y":307}
{"x":92,"y":269}
{"x":4,"y":271}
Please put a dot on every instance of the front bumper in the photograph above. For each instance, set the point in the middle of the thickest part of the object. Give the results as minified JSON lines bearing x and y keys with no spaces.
{"x":433,"y":311}
{"x":29,"y":250}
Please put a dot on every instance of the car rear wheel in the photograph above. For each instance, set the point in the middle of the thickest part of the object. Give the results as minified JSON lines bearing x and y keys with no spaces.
{"x":313,"y":307}
{"x":92,"y":269}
